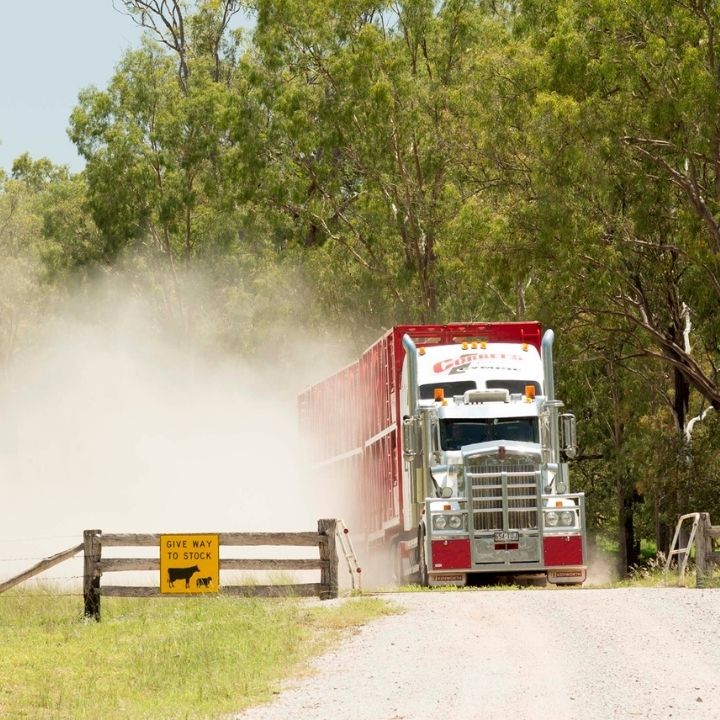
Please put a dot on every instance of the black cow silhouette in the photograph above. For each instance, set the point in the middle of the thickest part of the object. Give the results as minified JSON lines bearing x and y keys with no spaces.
{"x":181,"y":573}
{"x":203,"y":582}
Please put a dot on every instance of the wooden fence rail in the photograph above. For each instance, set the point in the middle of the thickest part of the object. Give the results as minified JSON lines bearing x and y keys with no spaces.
{"x":324,"y":539}
{"x":96,"y":566}
{"x":707,"y":556}
{"x":43,"y":565}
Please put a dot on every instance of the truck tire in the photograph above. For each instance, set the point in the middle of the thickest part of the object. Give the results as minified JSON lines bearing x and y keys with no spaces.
{"x":423,"y":579}
{"x":396,"y":560}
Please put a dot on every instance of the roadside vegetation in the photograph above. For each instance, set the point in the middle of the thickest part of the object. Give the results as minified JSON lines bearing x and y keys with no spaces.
{"x":164,"y":658}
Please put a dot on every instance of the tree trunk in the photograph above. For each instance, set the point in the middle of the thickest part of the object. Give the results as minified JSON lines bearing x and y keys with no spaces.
{"x":629,"y":545}
{"x":662,"y":530}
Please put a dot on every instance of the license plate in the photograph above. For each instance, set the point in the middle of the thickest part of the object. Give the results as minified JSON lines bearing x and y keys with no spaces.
{"x":506,"y":536}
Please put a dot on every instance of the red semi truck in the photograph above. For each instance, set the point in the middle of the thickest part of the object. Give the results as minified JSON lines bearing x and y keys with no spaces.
{"x":454,"y":443}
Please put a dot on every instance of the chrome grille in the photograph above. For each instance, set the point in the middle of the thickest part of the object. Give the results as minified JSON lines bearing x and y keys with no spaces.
{"x":504,"y":494}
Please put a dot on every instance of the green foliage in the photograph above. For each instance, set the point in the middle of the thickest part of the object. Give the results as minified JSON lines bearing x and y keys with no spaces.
{"x":370,"y":141}
{"x":21,"y":292}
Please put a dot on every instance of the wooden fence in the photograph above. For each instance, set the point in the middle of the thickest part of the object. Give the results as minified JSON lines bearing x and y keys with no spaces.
{"x":43,"y":565}
{"x":96,"y":566}
{"x":706,"y":555}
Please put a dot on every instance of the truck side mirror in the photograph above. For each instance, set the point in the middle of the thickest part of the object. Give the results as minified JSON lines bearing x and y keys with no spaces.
{"x":410,"y":449}
{"x":568,"y":435}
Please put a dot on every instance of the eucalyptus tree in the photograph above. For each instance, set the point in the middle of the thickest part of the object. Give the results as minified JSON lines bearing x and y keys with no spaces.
{"x":36,"y":201}
{"x":19,"y":230}
{"x":367,"y":102}
{"x":156,"y":142}
{"x":626,"y":121}
{"x":641,"y":81}
{"x":187,"y":29}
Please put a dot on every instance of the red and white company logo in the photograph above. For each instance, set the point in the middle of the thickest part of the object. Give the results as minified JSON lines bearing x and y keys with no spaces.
{"x":450,"y":363}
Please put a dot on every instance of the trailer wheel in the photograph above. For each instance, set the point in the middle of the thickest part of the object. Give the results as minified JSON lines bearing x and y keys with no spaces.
{"x":423,"y":579}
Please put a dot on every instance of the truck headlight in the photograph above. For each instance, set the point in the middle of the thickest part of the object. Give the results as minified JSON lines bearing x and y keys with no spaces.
{"x":446,"y":521}
{"x":567,"y":518}
{"x":552,"y":518}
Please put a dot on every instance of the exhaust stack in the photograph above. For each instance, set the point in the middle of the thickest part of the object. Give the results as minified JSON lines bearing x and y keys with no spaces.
{"x":553,"y":405}
{"x":411,"y":351}
{"x":547,"y":358}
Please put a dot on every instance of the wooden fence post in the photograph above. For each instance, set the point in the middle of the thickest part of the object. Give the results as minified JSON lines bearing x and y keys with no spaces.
{"x":327,"y":530}
{"x":703,"y":548}
{"x":91,"y":579}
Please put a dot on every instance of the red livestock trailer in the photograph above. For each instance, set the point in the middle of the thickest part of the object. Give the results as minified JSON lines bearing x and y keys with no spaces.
{"x":360,"y":423}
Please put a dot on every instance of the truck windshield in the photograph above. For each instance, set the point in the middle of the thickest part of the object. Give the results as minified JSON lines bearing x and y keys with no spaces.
{"x":455,"y":434}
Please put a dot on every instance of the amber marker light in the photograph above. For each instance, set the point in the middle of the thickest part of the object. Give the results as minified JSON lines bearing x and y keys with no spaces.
{"x":483,"y":345}
{"x":530,"y":391}
{"x":464,"y":346}
{"x":439,"y":394}
{"x":525,"y":347}
{"x":421,"y":351}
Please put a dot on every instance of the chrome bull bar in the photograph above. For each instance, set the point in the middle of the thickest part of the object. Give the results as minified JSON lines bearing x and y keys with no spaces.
{"x":505,"y":514}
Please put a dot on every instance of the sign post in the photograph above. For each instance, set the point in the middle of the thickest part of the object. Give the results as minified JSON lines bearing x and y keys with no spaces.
{"x":189,"y":564}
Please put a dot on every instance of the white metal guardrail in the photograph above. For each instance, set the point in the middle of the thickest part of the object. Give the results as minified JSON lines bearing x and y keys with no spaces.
{"x":675,"y":550}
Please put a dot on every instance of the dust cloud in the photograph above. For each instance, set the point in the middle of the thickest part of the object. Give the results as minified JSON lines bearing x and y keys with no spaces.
{"x":602,"y":568}
{"x":110,"y":423}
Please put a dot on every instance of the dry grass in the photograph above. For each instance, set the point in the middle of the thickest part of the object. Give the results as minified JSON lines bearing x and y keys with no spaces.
{"x":163,"y":658}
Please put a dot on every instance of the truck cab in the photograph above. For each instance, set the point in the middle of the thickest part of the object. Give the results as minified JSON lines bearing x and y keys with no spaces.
{"x":485,"y":453}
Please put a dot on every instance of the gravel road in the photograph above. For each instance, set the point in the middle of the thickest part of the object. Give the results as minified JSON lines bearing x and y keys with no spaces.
{"x":525,"y":655}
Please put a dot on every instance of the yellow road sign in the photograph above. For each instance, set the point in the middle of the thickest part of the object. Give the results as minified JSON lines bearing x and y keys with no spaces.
{"x":189,"y":564}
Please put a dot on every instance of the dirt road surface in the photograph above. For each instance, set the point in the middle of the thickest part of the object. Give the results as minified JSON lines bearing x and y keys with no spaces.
{"x":522,"y":655}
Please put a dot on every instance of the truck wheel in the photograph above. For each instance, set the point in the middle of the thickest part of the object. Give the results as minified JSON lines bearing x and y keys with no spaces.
{"x":423,"y":580}
{"x":396,"y":561}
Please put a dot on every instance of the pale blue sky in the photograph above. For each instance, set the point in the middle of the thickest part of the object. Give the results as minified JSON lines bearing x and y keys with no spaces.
{"x":49,"y":51}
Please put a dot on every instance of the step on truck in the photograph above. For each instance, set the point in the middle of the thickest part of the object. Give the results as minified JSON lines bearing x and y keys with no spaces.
{"x":457,"y":451}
